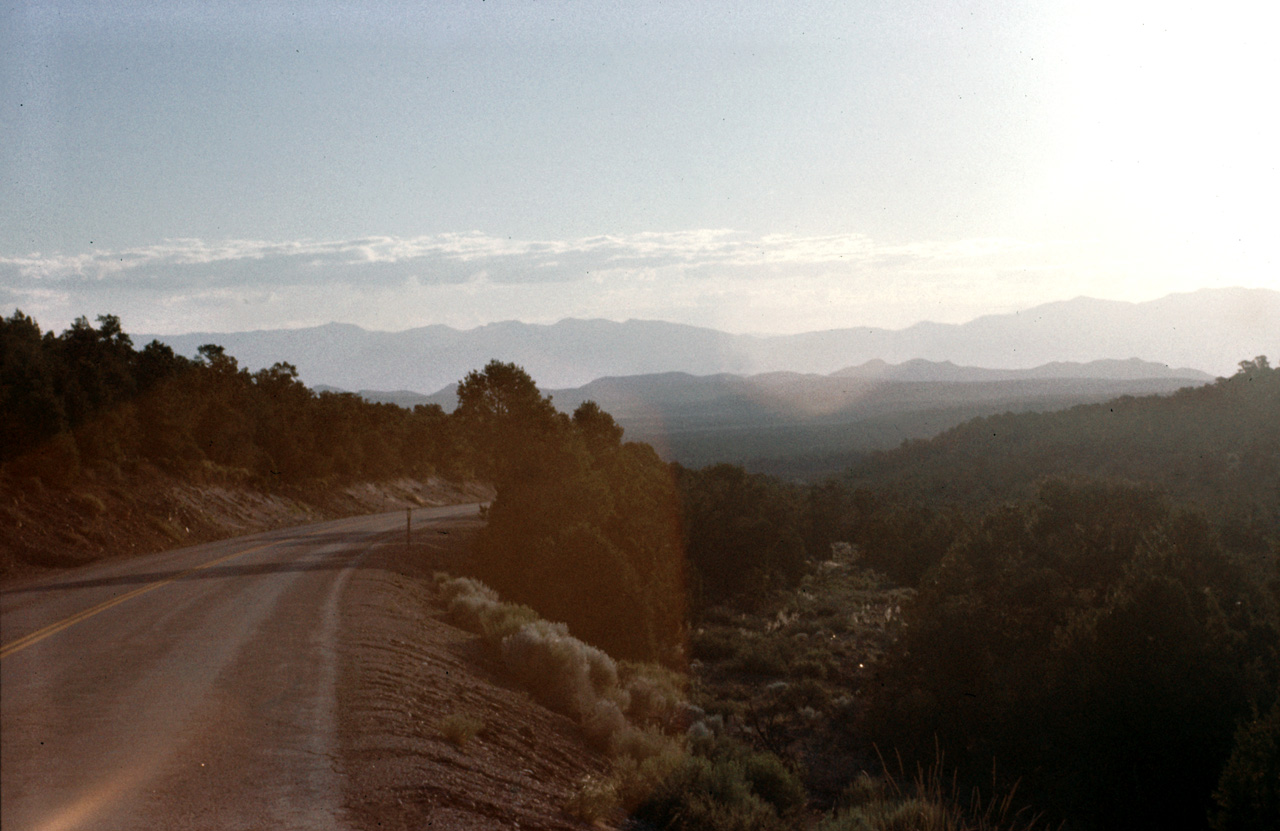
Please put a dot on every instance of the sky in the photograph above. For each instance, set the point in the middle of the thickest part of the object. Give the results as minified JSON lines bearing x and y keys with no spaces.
{"x":750,"y":166}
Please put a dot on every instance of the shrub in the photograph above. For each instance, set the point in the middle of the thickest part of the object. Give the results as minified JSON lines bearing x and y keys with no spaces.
{"x":906,"y":815}
{"x":632,"y":781}
{"x":716,"y":644}
{"x":1248,"y":794}
{"x":454,"y":587}
{"x":656,"y":694}
{"x":773,"y":782}
{"x":643,"y":743}
{"x":605,"y":726}
{"x":477,"y":608}
{"x":594,"y":800}
{"x":702,"y":794}
{"x":622,"y":710}
{"x":760,"y":656}
{"x":638,"y":778}
{"x":563,"y":672}
{"x":928,"y":802}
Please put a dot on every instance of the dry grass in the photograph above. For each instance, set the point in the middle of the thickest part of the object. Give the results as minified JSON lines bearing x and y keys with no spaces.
{"x":926,"y":801}
{"x":623,"y":710}
{"x":595,"y":800}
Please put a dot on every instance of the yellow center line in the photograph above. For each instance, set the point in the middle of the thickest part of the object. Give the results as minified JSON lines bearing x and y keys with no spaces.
{"x":54,"y":628}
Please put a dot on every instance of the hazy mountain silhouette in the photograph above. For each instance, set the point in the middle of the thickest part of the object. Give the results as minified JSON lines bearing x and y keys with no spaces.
{"x":724,"y":417}
{"x":1210,"y":330}
{"x":929,"y":371}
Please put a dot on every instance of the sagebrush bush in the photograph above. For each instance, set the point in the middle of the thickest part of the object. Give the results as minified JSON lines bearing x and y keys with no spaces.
{"x":906,"y":815}
{"x":656,"y":694}
{"x":759,"y":656}
{"x":633,"y":779}
{"x":604,"y":725}
{"x":716,"y":644}
{"x":702,"y":794}
{"x":570,"y":676}
{"x":928,"y":801}
{"x":773,"y":782}
{"x":477,"y":608}
{"x":623,"y":710}
{"x":563,"y":672}
{"x":595,"y":799}
{"x":637,"y":778}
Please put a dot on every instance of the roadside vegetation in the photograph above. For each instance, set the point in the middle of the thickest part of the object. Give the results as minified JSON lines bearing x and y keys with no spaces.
{"x":672,"y":765}
{"x":584,"y":528}
{"x":1031,"y":621}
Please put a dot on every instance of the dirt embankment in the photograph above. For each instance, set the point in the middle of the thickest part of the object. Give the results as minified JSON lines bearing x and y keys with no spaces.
{"x":432,"y":734}
{"x":118,"y":514}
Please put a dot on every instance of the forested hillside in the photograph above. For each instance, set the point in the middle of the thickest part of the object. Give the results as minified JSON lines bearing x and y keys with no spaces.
{"x":1081,"y":608}
{"x":89,"y":398}
{"x":1215,"y":446}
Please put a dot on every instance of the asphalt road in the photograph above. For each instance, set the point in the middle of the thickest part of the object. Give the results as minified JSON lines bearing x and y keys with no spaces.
{"x":189,"y":689}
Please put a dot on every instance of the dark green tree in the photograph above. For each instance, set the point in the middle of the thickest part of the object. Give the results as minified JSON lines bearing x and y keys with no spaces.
{"x":1097,"y":642}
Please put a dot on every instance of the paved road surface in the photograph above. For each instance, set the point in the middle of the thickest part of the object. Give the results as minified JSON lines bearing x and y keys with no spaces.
{"x":188,"y":689}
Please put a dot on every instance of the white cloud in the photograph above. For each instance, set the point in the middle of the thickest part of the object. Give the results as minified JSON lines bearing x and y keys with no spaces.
{"x":715,"y":277}
{"x":688,"y":248}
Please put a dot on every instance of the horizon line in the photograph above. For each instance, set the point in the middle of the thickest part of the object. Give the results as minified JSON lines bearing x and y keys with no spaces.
{"x":761,"y":335}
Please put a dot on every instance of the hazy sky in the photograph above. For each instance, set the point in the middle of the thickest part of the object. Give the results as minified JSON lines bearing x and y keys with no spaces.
{"x":769,"y":167}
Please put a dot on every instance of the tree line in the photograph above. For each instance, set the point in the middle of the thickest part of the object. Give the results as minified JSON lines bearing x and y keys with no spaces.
{"x":584,"y":527}
{"x":1215,"y":446}
{"x":88,"y":397}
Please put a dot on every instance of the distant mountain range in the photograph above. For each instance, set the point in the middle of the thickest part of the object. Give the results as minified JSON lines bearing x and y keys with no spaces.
{"x":627,"y":395}
{"x":1210,"y":330}
{"x":759,"y":419}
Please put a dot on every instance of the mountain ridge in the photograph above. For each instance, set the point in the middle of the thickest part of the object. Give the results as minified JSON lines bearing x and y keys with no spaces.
{"x":699,"y":420}
{"x":1211,"y":329}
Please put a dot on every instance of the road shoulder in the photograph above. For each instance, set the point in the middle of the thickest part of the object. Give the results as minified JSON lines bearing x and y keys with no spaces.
{"x":405,"y":676}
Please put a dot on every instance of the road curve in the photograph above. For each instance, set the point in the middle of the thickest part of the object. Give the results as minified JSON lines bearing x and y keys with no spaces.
{"x":189,"y":689}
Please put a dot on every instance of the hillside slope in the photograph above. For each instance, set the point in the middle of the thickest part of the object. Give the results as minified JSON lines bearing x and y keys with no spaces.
{"x":1216,"y":446}
{"x":104,"y":516}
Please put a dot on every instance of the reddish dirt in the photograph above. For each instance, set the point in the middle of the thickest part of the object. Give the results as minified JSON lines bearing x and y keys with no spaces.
{"x":402,"y":671}
{"x":105,"y":515}
{"x":402,"y":668}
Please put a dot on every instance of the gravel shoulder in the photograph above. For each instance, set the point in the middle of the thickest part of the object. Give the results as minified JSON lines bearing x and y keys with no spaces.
{"x":402,"y":671}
